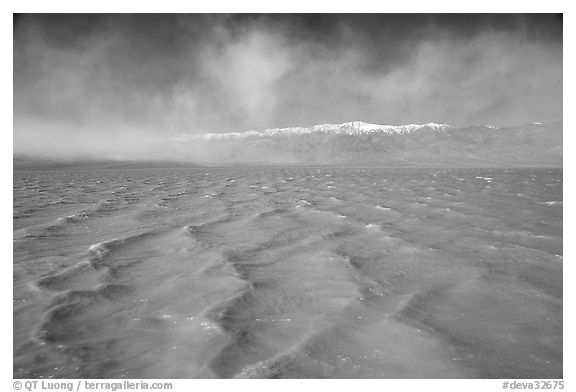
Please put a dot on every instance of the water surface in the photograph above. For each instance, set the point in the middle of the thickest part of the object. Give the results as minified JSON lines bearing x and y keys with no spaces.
{"x":288,"y":273}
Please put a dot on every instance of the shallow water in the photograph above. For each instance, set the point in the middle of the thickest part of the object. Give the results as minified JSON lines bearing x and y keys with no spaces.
{"x":288,"y":273}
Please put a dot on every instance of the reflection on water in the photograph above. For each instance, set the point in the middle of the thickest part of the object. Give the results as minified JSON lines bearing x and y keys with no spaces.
{"x":288,"y":273}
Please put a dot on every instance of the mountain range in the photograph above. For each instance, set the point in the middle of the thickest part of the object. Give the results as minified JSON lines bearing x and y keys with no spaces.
{"x":360,"y":143}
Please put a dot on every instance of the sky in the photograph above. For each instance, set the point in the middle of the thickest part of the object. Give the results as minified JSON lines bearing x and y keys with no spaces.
{"x":100,"y":85}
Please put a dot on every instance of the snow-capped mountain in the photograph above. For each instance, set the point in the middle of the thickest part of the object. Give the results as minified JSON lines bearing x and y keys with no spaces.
{"x":347,"y":128}
{"x":358,"y":142}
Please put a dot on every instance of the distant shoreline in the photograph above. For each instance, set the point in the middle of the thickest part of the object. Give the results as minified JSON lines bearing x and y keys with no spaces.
{"x":134,"y":165}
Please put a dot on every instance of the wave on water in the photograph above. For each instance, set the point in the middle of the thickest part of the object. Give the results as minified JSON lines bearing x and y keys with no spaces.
{"x":289,"y":273}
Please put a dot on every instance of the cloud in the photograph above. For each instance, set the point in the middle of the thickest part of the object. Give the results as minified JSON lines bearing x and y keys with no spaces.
{"x":491,"y":78}
{"x":247,"y":72}
{"x":108,"y":86}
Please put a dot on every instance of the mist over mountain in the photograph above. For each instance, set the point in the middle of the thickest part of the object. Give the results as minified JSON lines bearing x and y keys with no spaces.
{"x":372,"y":144}
{"x":349,"y":144}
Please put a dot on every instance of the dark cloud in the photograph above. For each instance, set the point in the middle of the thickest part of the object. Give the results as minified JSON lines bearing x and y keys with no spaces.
{"x":93,"y":83}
